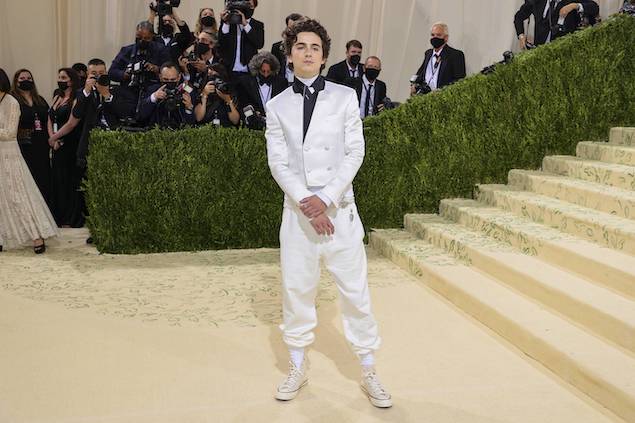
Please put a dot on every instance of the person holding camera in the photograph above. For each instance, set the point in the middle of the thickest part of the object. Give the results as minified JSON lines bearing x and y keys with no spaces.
{"x":195,"y":63}
{"x":553,"y":18}
{"x":240,"y":36}
{"x":175,"y":43}
{"x":32,"y":134}
{"x":442,"y":64}
{"x":262,"y":85}
{"x":170,"y":104}
{"x":277,"y":49}
{"x":216,"y":104}
{"x":371,"y":91}
{"x":350,"y":70}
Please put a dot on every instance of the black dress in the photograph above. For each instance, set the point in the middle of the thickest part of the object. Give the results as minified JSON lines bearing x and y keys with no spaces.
{"x":216,"y":112}
{"x":65,"y":201}
{"x":33,"y":141}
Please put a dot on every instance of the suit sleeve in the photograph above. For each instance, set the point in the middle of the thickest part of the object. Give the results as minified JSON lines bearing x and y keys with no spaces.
{"x":79,"y":111}
{"x":256,"y":36}
{"x":459,"y":68}
{"x":521,"y":16}
{"x":331,"y":75}
{"x":591,"y":8}
{"x":354,"y":148}
{"x":278,"y":159}
{"x":118,"y":67}
{"x":146,"y":109}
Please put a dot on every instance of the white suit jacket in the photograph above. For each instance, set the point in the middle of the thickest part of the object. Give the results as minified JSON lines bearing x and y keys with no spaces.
{"x":333,"y":150}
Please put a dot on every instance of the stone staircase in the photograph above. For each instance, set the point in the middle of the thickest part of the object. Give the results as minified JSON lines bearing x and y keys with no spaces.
{"x":547,"y":262}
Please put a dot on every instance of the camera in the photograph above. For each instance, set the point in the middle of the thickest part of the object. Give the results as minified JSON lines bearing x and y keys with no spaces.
{"x":234,"y":6}
{"x":103,"y":80}
{"x":173,"y":99}
{"x":164,"y":7}
{"x":508,"y":57}
{"x":221,"y":85}
{"x":421,"y":86}
{"x":253,"y":119}
{"x":388,"y":103}
{"x":137,"y":72}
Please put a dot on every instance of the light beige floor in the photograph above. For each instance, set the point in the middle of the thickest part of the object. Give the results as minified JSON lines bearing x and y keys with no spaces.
{"x":193,"y":338}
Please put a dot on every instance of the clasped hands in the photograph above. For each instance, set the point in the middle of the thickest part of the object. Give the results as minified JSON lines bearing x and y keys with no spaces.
{"x":314,"y":208}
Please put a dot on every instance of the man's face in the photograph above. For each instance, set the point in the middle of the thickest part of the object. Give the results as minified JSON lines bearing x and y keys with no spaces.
{"x":144,"y":35}
{"x":372,"y":64}
{"x":95,"y":71}
{"x":265,"y":70}
{"x":438,"y":32}
{"x":307,"y":55}
{"x":170,"y":75}
{"x":253,"y":5}
{"x":81,"y":74}
{"x":168,"y":21}
{"x":353,"y":51}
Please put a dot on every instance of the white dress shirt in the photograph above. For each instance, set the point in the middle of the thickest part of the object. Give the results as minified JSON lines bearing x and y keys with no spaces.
{"x":432,"y":71}
{"x":367,"y":89}
{"x":238,"y":67}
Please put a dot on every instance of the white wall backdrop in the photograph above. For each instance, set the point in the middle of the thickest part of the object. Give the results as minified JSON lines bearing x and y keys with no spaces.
{"x":43,"y":35}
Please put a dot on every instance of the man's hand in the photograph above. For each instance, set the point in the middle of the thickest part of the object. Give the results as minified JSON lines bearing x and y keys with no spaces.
{"x":224,"y":15}
{"x":312,"y":206}
{"x":242,"y":15}
{"x":103,"y":90}
{"x":380,"y":107}
{"x":187,"y":101}
{"x":568,"y":9}
{"x":323,"y":225}
{"x":151,"y":67}
{"x":199,"y":65}
{"x":183,"y":64}
{"x":160,"y":94}
{"x":90,"y":84}
{"x":210,"y":88}
{"x":522,"y":41}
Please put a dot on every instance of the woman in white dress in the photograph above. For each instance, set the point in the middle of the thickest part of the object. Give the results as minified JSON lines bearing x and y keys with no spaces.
{"x":24,"y":215}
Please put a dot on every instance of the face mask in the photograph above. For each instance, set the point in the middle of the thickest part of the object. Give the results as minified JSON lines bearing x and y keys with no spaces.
{"x":167,"y":31}
{"x":26,"y":85}
{"x":437,"y":42}
{"x":143,"y":44}
{"x":208,"y":21}
{"x":249,"y":13}
{"x":372,"y":74}
{"x":62,"y":85}
{"x":201,"y":49}
{"x":355,"y":59}
{"x":171,"y":85}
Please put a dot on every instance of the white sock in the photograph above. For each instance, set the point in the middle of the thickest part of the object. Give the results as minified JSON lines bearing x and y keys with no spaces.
{"x":297,"y":356}
{"x":367,"y":360}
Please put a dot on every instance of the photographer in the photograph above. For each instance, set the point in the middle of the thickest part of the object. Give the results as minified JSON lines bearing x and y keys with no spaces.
{"x":442,"y":64}
{"x":277,"y":49}
{"x":216,"y":105}
{"x":553,"y":18}
{"x":170,"y":104}
{"x":198,"y":58}
{"x":241,"y":36}
{"x":350,"y":70}
{"x":371,"y":91}
{"x":176,"y":43}
{"x":262,"y":85}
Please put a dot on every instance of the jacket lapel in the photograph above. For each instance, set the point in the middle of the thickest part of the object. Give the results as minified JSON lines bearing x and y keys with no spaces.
{"x":322,"y":108}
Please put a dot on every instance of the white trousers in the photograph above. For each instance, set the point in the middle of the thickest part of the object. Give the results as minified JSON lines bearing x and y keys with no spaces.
{"x":345,"y":257}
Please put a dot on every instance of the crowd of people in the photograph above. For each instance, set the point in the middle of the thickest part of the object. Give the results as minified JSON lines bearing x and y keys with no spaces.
{"x":217,"y":74}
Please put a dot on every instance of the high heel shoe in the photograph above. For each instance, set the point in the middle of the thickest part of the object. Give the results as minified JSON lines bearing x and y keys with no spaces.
{"x":39,"y":249}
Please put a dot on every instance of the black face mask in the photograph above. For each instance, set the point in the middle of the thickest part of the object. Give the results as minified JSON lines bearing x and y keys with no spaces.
{"x":171,"y":85}
{"x":265,"y":80}
{"x":62,"y":85}
{"x":437,"y":42}
{"x":372,"y":74}
{"x":208,"y":21}
{"x":355,"y":59}
{"x":143,"y":44}
{"x":249,"y":13}
{"x":167,"y":31}
{"x":26,"y":85}
{"x":201,"y":49}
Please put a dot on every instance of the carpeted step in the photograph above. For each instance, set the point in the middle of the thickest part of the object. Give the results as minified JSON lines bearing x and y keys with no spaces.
{"x":622,"y":136}
{"x":608,"y":153}
{"x":616,"y":201}
{"x":611,"y":231}
{"x":608,"y":267}
{"x":604,"y":372}
{"x":604,"y":312}
{"x":610,"y":174}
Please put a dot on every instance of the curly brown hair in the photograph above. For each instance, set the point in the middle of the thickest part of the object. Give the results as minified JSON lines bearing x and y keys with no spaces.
{"x":306,"y":25}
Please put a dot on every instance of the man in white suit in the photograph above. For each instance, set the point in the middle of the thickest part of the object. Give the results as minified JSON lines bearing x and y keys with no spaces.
{"x":315,"y":146}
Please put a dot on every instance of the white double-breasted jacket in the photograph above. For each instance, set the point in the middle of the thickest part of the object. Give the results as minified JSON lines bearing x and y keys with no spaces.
{"x":332,"y":151}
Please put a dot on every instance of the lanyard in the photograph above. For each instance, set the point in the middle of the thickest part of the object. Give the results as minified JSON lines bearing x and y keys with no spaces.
{"x":435,"y":67}
{"x":267,"y":97}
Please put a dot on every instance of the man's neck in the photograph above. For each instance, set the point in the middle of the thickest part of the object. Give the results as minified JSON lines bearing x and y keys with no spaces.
{"x":307,"y":80}
{"x":350,"y":66}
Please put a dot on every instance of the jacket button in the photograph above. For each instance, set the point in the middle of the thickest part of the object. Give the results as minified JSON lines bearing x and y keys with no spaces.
{"x":307,"y":148}
{"x":329,"y":168}
{"x":327,"y":148}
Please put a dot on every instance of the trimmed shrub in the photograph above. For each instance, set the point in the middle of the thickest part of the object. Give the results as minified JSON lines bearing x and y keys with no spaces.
{"x":208,"y":188}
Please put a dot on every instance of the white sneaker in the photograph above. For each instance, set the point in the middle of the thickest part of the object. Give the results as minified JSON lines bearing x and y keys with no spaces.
{"x":374,"y":390}
{"x":295,"y":380}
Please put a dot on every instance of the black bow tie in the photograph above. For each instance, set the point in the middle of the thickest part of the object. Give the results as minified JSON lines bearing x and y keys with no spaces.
{"x":261,"y":82}
{"x":318,"y":85}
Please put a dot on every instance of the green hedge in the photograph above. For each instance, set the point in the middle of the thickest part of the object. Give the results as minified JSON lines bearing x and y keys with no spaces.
{"x":205,"y":188}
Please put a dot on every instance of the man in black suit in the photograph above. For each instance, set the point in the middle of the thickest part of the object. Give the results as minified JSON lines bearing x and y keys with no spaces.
{"x":238,"y":43}
{"x":371,"y":92}
{"x":277,"y":49}
{"x":263,"y":84}
{"x":553,"y":18}
{"x":175,"y":43}
{"x":161,"y":107}
{"x":442,"y":65}
{"x":349,"y":70}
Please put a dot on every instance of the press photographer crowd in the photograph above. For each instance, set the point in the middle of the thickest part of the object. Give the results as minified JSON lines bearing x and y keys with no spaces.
{"x":216,"y":73}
